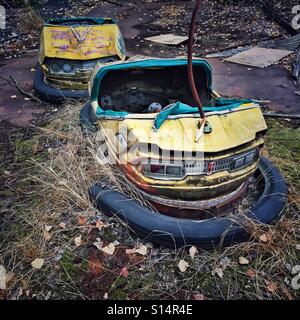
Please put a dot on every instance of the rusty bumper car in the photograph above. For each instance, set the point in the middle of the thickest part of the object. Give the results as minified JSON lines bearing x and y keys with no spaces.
{"x":191,"y":173}
{"x":69,"y":50}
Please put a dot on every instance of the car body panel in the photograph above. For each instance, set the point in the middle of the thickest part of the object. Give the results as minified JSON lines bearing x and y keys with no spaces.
{"x":61,"y":42}
{"x":82,"y":45}
{"x":229,"y":131}
{"x":235,"y":131}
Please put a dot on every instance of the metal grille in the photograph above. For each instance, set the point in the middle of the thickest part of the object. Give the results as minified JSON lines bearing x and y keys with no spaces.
{"x":206,"y":167}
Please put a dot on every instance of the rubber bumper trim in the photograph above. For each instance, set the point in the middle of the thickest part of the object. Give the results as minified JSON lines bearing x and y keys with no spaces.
{"x":206,"y":234}
{"x":53,"y":94}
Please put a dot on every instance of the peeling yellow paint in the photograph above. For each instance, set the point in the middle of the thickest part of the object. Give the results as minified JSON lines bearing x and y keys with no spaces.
{"x":80,"y":42}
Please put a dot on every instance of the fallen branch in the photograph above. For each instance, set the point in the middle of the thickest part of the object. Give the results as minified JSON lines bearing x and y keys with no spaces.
{"x":26,"y":94}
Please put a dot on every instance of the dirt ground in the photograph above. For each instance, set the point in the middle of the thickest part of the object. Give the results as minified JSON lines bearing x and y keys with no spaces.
{"x":43,"y":157}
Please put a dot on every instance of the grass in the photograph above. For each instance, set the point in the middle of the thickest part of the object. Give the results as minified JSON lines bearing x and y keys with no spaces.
{"x":54,"y":171}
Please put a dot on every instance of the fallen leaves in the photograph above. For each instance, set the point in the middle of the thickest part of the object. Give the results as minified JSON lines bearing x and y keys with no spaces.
{"x":219,"y":272}
{"x":105,"y":297}
{"x":37,"y":263}
{"x":142,"y":250}
{"x":124,"y":272}
{"x":265,"y":237}
{"x":193,"y":251}
{"x":78,"y":241}
{"x":101,"y":225}
{"x":251,"y":273}
{"x":81,"y":220}
{"x":46,"y":236}
{"x":48,"y":228}
{"x":225,"y":262}
{"x":199,"y":297}
{"x":95,"y":267}
{"x":98,"y":244}
{"x":46,"y":233}
{"x":243,"y":261}
{"x":109,"y":249}
{"x":271,"y":286}
{"x":183,"y":265}
{"x":2,"y":278}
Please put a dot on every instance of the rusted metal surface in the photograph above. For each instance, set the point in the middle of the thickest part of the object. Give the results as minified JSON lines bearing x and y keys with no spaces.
{"x":190,"y":59}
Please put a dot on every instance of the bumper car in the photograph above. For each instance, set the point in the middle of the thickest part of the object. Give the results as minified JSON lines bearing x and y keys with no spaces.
{"x":189,"y":153}
{"x":191,"y":172}
{"x":69,"y":50}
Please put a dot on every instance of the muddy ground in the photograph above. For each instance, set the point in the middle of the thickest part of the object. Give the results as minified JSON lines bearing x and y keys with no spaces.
{"x":83,"y":272}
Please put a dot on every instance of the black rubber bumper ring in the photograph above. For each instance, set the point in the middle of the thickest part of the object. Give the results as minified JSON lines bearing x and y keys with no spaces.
{"x":206,"y":234}
{"x":52,"y":94}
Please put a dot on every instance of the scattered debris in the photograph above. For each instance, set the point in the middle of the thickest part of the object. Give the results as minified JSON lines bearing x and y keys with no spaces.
{"x":193,"y":251}
{"x":169,"y":39}
{"x":100,"y":225}
{"x":22,"y":91}
{"x":78,"y":241}
{"x":219,"y":272}
{"x":48,"y":228}
{"x":37,"y":263}
{"x":243,"y":261}
{"x":251,"y":273}
{"x":271,"y":286}
{"x":183,"y":265}
{"x":105,"y":297}
{"x":142,"y":250}
{"x":199,"y":297}
{"x":259,"y":57}
{"x":264,"y":238}
{"x":81,"y":220}
{"x":2,"y":278}
{"x":225,"y":262}
{"x":109,"y":249}
{"x":98,"y":244}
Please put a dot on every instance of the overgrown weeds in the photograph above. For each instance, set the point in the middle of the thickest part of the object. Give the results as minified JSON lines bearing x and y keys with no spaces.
{"x":48,"y":215}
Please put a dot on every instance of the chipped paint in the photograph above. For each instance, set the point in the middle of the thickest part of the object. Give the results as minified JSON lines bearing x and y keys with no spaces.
{"x":81,"y":42}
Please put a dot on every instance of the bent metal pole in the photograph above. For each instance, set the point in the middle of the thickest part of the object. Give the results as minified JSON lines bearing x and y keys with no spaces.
{"x":190,"y":66}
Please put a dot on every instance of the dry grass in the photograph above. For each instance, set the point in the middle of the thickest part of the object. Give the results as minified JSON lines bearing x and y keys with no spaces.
{"x":51,"y":188}
{"x":32,"y":22}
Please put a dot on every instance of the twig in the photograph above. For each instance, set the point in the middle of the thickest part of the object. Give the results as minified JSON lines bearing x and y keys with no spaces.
{"x":26,"y":94}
